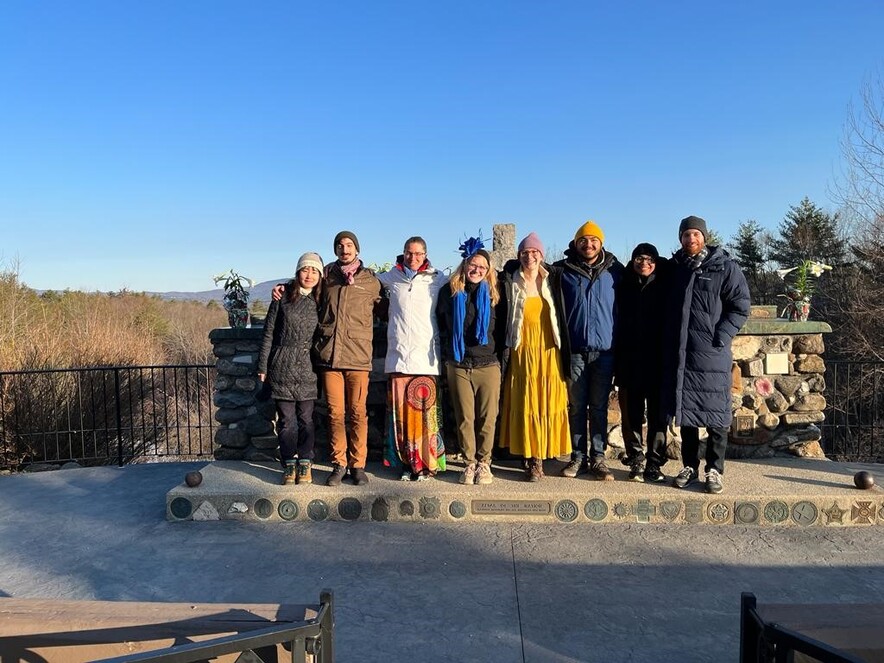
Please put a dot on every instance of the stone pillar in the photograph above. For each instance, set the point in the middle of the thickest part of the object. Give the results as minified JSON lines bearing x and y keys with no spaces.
{"x":504,"y":244}
{"x":246,"y":418}
{"x":779,"y":381}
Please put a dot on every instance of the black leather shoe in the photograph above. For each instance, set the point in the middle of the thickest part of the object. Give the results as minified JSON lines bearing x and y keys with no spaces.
{"x":337,"y":474}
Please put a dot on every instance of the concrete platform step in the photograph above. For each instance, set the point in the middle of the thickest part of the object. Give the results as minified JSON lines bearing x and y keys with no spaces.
{"x":777,"y":492}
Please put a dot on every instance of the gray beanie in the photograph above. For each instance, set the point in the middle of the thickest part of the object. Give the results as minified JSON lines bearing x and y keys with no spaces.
{"x":309,"y":259}
{"x":693,"y":223}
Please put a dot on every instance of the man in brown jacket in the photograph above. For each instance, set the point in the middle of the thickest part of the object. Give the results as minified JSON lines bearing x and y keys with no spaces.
{"x":343,"y":353}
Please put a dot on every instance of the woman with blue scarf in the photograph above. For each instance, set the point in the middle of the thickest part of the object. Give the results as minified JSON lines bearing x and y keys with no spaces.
{"x":469,"y":306}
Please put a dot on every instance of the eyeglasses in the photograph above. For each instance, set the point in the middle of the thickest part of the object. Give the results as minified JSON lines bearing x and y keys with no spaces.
{"x":638,"y":260}
{"x":415,"y":254}
{"x":477,"y":268}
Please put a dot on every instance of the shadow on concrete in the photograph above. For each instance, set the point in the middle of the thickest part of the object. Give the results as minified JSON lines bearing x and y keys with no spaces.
{"x":437,"y":592}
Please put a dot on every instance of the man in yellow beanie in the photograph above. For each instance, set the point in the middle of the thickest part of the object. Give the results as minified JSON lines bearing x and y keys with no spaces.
{"x":588,"y":278}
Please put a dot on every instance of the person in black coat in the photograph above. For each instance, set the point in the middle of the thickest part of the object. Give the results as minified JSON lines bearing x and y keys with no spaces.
{"x":709,"y":302}
{"x":638,"y":360}
{"x":285,"y":364}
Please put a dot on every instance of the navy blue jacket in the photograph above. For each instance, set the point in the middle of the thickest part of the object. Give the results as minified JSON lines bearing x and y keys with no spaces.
{"x":588,"y":300}
{"x":705,"y":310}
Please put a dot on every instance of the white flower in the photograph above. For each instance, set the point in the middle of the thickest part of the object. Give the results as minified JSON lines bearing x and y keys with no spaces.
{"x":784,"y":272}
{"x":817,"y":268}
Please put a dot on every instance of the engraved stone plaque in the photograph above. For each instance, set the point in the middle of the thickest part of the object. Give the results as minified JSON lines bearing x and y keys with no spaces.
{"x":718,"y":512}
{"x":511,"y":507}
{"x":406,"y":508}
{"x":863,"y":513}
{"x":644,"y":511}
{"x":693,"y":512}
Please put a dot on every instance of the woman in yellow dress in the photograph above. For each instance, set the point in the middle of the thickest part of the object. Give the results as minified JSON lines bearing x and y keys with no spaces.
{"x":534,"y":421}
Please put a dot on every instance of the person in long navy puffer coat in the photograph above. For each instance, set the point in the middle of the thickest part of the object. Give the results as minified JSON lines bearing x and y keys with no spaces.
{"x":709,"y":302}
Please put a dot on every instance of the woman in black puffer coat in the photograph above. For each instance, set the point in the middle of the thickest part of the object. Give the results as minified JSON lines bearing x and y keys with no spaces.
{"x":285,"y":364}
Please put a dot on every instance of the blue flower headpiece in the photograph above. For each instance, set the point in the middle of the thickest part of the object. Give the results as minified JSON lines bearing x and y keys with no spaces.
{"x":470,"y":247}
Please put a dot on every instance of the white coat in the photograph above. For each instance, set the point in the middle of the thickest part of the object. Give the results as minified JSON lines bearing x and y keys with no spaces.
{"x":412,"y":331}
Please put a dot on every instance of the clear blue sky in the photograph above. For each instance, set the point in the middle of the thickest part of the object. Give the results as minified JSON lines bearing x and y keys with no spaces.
{"x":150,"y":145}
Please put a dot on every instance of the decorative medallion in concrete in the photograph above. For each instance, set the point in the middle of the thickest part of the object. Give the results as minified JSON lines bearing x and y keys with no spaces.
{"x":567,"y":511}
{"x":693,"y":512}
{"x":430,"y":507}
{"x":238,"y":509}
{"x":406,"y":508}
{"x":862,"y":513}
{"x":621,"y":510}
{"x":644,"y":511}
{"x":776,"y":512}
{"x":457,"y":509}
{"x":718,"y":512}
{"x":206,"y":511}
{"x":596,"y":510}
{"x":288,"y":510}
{"x":317,"y":510}
{"x":263,"y":508}
{"x":350,"y":508}
{"x":670,"y":510}
{"x":804,"y":513}
{"x":380,"y":510}
{"x":746,"y":513}
{"x":834,"y":514}
{"x":181,"y":508}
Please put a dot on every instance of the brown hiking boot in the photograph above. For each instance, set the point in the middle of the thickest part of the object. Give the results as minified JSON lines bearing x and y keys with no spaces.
{"x":305,"y":471}
{"x":600,"y":470}
{"x":337,"y":473}
{"x":535,"y":470}
{"x":289,"y":474}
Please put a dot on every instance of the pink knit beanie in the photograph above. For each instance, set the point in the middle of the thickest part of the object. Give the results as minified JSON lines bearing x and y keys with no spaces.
{"x":532,"y":241}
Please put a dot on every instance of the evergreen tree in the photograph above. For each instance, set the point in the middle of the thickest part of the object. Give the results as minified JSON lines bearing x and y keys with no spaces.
{"x":750,"y":247}
{"x":808,"y":233}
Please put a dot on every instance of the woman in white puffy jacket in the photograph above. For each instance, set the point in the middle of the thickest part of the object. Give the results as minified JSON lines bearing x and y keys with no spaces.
{"x":414,"y":436}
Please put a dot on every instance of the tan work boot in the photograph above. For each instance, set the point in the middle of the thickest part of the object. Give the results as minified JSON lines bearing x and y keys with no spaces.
{"x":305,"y":471}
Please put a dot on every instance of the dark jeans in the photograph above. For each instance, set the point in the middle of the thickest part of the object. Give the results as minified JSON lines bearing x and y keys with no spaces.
{"x":295,"y":429}
{"x":715,"y":448}
{"x":591,"y":376}
{"x":633,"y":399}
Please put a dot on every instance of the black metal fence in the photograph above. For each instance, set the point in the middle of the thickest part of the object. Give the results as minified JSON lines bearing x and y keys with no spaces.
{"x":106,"y":415}
{"x":853,"y":429}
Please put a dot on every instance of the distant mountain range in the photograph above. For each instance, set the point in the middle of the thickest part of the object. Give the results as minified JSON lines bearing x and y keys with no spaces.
{"x":258,"y":292}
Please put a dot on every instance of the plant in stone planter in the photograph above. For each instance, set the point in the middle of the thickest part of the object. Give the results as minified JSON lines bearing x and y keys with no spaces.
{"x":236,"y":297}
{"x":800,"y":283}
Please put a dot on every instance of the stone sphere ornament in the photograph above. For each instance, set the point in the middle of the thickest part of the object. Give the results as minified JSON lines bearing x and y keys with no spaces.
{"x":863,"y":480}
{"x":193,"y":479}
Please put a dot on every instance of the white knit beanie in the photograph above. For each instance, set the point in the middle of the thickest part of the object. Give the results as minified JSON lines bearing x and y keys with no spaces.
{"x":310,"y":259}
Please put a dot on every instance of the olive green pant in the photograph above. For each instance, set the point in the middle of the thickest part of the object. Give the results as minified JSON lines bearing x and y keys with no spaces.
{"x":475,"y":396}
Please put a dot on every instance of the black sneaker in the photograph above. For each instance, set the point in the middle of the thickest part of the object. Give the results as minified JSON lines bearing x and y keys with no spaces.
{"x":336,"y":476}
{"x":637,"y":471}
{"x":576,"y":467}
{"x":358,"y":475}
{"x":600,"y":470}
{"x":713,"y":482}
{"x":685,"y":478}
{"x":654,"y":475}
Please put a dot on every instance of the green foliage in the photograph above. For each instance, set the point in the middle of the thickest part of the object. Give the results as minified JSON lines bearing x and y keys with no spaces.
{"x":808,"y":233}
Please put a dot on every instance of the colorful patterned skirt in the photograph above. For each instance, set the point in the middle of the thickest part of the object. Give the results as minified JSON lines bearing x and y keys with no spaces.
{"x":414,"y":426}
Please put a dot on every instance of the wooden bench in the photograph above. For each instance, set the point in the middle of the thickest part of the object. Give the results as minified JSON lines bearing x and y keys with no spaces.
{"x":831,"y":633}
{"x":44,"y":630}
